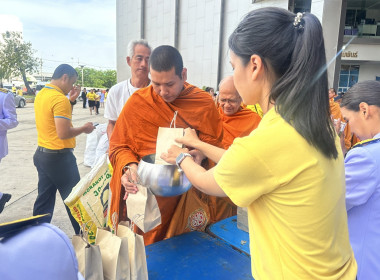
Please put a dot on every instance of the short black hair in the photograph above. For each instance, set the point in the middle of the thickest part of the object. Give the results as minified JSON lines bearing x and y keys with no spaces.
{"x":62,"y":70}
{"x":164,"y":58}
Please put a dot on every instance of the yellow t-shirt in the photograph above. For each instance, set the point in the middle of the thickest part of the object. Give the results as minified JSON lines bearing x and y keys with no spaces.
{"x":91,"y":96}
{"x":51,"y":103}
{"x":256,"y":108}
{"x":296,"y":203}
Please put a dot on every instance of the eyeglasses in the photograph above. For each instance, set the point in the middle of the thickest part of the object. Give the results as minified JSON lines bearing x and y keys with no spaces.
{"x":231,"y":101}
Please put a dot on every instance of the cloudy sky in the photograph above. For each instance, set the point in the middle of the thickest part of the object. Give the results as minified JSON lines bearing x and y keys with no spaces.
{"x":65,"y":31}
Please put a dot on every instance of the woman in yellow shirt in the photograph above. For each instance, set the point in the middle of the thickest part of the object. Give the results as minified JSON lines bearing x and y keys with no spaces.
{"x":289,"y":172}
{"x":91,"y":96}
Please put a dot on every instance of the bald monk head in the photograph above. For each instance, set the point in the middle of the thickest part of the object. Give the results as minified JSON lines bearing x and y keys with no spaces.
{"x":332,"y":93}
{"x":229,"y":98}
{"x":167,"y":72}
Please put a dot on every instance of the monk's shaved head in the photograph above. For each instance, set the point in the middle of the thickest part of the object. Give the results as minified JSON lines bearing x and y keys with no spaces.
{"x":229,"y":98}
{"x":164,"y":58}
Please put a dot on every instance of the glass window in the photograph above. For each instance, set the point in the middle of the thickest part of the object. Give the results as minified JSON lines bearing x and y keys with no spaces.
{"x":349,"y":75}
{"x":299,"y":6}
{"x":362,"y":18}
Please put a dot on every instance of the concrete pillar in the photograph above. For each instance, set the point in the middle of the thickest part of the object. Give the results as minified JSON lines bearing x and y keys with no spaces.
{"x":332,"y":14}
{"x":128,"y":27}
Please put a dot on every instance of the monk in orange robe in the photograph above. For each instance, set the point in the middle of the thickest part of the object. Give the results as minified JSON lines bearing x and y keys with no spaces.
{"x":237,"y":121}
{"x":336,"y":114}
{"x":136,"y":129}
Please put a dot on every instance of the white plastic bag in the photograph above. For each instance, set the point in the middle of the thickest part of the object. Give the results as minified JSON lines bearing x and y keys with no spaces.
{"x":92,"y":144}
{"x":101,"y":148}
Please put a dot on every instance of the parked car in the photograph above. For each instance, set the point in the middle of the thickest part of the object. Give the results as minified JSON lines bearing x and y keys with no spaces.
{"x":20,"y":101}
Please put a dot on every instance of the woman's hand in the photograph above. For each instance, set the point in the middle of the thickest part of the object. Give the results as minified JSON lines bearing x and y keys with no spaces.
{"x":198,"y":156}
{"x":190,"y":138}
{"x":129,"y":179}
{"x":173,"y":153}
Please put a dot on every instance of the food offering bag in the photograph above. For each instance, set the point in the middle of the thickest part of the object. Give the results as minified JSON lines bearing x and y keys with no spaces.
{"x":88,"y":201}
{"x":88,"y":256}
{"x":137,"y":255}
{"x":142,"y":208}
{"x":166,"y":138}
{"x":115,"y":255}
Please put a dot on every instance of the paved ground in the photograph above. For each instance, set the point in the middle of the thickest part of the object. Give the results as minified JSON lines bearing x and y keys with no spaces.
{"x":18,"y":174}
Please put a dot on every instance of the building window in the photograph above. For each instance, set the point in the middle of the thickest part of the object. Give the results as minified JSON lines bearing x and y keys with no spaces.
{"x":349,"y":75}
{"x":362,"y":18}
{"x":299,"y":6}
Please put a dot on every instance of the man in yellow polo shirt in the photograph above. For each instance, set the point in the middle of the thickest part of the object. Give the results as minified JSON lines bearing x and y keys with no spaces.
{"x":54,"y":159}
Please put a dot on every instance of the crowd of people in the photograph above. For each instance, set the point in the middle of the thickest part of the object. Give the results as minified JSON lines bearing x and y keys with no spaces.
{"x":277,"y":142}
{"x":94,"y":99}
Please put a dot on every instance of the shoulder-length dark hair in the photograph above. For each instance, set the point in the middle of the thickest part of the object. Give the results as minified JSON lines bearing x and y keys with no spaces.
{"x":366,"y":91}
{"x":296,"y":53}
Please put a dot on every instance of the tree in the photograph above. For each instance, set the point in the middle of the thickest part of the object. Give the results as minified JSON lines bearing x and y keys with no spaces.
{"x":97,"y":78}
{"x":16,"y":57}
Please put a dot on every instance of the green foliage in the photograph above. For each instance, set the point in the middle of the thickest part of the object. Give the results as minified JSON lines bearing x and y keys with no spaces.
{"x":93,"y":78}
{"x":16,"y":57}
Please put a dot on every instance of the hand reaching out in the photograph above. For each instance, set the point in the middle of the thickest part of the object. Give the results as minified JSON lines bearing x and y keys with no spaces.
{"x":190,"y":138}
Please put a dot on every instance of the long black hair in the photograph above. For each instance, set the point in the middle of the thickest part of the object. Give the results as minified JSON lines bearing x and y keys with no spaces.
{"x":295,"y":51}
{"x":367,"y":91}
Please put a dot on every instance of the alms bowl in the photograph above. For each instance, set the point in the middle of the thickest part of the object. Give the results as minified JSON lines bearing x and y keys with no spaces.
{"x":162,"y":180}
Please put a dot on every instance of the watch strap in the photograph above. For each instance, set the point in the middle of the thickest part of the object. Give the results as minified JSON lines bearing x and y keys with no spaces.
{"x":180,"y":158}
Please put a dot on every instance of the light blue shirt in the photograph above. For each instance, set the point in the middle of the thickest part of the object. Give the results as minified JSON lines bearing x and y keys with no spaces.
{"x":8,"y":120}
{"x":362,"y":165}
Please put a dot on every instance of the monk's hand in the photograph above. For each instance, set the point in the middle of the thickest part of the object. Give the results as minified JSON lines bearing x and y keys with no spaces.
{"x":190,"y":138}
{"x":337,"y":124}
{"x":129,"y":179}
{"x":173,"y":153}
{"x":198,"y":156}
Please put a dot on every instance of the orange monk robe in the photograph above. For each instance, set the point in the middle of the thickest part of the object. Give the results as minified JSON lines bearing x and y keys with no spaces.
{"x":336,"y":114}
{"x":238,"y":125}
{"x":135,"y":136}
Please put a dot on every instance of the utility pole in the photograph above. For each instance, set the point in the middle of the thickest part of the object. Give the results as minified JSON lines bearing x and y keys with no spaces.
{"x":41,"y":78}
{"x":82,"y":66}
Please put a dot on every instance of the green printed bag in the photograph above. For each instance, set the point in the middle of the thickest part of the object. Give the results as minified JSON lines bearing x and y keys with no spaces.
{"x":88,"y":201}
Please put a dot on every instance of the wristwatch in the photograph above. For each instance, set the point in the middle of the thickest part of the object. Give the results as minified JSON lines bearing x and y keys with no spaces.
{"x":180,"y":158}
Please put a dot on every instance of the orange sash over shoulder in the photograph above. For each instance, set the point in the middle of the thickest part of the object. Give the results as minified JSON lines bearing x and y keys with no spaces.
{"x":240,"y":124}
{"x":135,"y":136}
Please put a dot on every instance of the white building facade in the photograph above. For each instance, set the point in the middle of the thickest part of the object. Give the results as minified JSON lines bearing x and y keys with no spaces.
{"x":199,"y":29}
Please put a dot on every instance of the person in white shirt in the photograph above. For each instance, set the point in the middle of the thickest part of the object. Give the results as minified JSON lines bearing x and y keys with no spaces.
{"x":138,"y":59}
